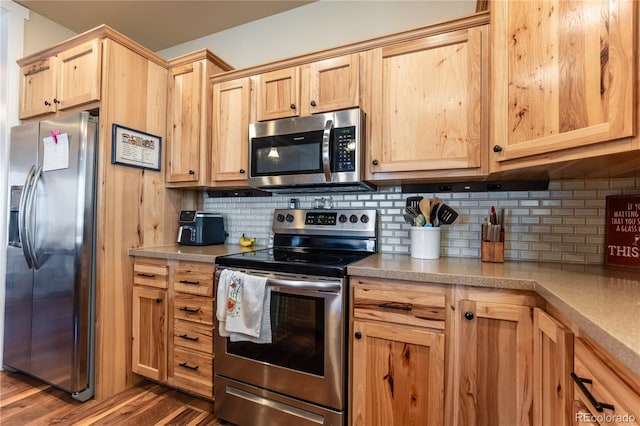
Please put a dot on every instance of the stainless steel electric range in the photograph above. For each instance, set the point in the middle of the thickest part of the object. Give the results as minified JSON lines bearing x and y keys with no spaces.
{"x":301,"y":377}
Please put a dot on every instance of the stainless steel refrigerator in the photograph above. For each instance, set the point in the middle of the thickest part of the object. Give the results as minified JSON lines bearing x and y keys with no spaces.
{"x":50,"y":285}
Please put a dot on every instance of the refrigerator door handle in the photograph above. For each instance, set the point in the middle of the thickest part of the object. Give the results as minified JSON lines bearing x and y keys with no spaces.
{"x":29,"y":219}
{"x":22,"y":226}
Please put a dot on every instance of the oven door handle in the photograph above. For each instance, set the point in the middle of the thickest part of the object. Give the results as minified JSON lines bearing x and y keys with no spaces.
{"x":276,"y":284}
{"x":326,"y":138}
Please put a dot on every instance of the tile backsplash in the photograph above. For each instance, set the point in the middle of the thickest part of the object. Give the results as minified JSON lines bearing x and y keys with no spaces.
{"x":562,"y":224}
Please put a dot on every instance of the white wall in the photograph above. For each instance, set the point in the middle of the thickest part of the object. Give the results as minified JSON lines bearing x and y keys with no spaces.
{"x":318,"y":26}
{"x":41,"y":33}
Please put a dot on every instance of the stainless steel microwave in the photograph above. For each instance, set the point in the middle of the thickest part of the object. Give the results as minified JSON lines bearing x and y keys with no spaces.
{"x":317,"y":153}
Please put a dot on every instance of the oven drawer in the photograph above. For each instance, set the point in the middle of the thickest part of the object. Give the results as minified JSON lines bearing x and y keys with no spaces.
{"x":193,"y":308}
{"x":409,"y":307}
{"x":194,"y":278}
{"x":150,"y":273}
{"x":192,"y":335}
{"x":193,"y":371}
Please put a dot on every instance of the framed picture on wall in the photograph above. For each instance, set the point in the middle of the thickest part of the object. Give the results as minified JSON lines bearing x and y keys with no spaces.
{"x":135,"y":148}
{"x":622,"y":231}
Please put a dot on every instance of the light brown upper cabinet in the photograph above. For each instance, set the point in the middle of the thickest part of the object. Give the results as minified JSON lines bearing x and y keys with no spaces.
{"x":231,"y":116}
{"x":321,"y":86}
{"x":189,"y":118}
{"x":334,"y":84}
{"x":429,"y":106}
{"x":562,"y":79}
{"x":66,"y":80}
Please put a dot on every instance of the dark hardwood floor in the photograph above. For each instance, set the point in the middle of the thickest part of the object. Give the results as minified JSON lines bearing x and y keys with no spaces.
{"x":26,"y":401}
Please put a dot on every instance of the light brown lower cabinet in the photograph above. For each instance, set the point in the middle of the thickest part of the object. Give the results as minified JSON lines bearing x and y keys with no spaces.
{"x":172,"y":322}
{"x":149,"y":333}
{"x":150,"y":310}
{"x":552,"y":366}
{"x":398,"y":353}
{"x":495,"y":363}
{"x":398,"y":375}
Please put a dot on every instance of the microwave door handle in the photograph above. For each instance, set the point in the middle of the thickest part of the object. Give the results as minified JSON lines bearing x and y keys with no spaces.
{"x":326,"y":137}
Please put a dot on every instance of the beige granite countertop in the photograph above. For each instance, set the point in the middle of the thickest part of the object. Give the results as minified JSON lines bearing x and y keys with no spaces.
{"x":605,"y":303}
{"x":205,"y":254}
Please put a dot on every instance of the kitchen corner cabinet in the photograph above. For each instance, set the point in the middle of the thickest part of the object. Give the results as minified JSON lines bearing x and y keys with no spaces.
{"x":62,"y":81}
{"x":604,"y":392}
{"x":563,"y":81}
{"x":552,"y":366}
{"x":149,"y":319}
{"x":398,"y":354}
{"x":430,"y":102}
{"x":494,"y":363}
{"x":231,"y":118}
{"x":189,"y":118}
{"x":172,"y":322}
{"x":321,"y":86}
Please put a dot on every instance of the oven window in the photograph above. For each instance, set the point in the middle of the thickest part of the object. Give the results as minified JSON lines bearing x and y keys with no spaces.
{"x":297,"y":326}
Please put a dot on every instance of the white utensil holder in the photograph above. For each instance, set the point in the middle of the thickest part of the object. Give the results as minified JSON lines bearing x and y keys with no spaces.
{"x":425,"y":242}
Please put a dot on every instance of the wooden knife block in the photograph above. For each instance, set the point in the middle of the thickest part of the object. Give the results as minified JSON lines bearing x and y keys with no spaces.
{"x":493,"y":251}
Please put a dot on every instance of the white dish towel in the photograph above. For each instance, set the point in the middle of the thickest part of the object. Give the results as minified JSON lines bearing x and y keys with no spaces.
{"x":243,"y":307}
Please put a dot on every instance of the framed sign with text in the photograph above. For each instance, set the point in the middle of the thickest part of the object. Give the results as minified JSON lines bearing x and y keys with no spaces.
{"x":622,"y":231}
{"x":135,"y":148}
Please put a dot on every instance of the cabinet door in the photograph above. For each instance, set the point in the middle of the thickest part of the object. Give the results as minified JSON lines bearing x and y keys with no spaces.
{"x":562,"y":77}
{"x":552,"y":366}
{"x":278,"y":94}
{"x":38,"y":88}
{"x":79,"y":75}
{"x":231,"y":113}
{"x":334,"y":84}
{"x":430,"y":104}
{"x":149,"y":333}
{"x":495,"y":365}
{"x":398,"y":375}
{"x":183,"y":150}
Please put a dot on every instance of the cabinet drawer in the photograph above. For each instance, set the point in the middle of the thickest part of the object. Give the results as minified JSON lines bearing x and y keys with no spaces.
{"x":417,"y":308}
{"x":193,"y":308}
{"x":193,"y":336}
{"x":193,"y":371}
{"x":607,"y":386}
{"x":194,"y":278}
{"x":150,"y":274}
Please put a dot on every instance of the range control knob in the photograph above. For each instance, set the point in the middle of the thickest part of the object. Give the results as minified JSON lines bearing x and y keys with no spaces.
{"x":289,"y":218}
{"x":280,"y":218}
{"x":342,"y":218}
{"x":364,"y":218}
{"x":353,"y":218}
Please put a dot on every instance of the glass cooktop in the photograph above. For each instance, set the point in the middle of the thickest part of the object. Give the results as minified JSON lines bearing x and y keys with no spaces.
{"x":297,"y":261}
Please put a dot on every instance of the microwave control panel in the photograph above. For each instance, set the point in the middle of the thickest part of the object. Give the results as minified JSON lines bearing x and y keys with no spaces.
{"x":345,"y":149}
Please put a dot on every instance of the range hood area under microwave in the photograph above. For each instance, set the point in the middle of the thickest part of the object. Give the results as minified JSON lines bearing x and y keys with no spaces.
{"x":318,"y":153}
